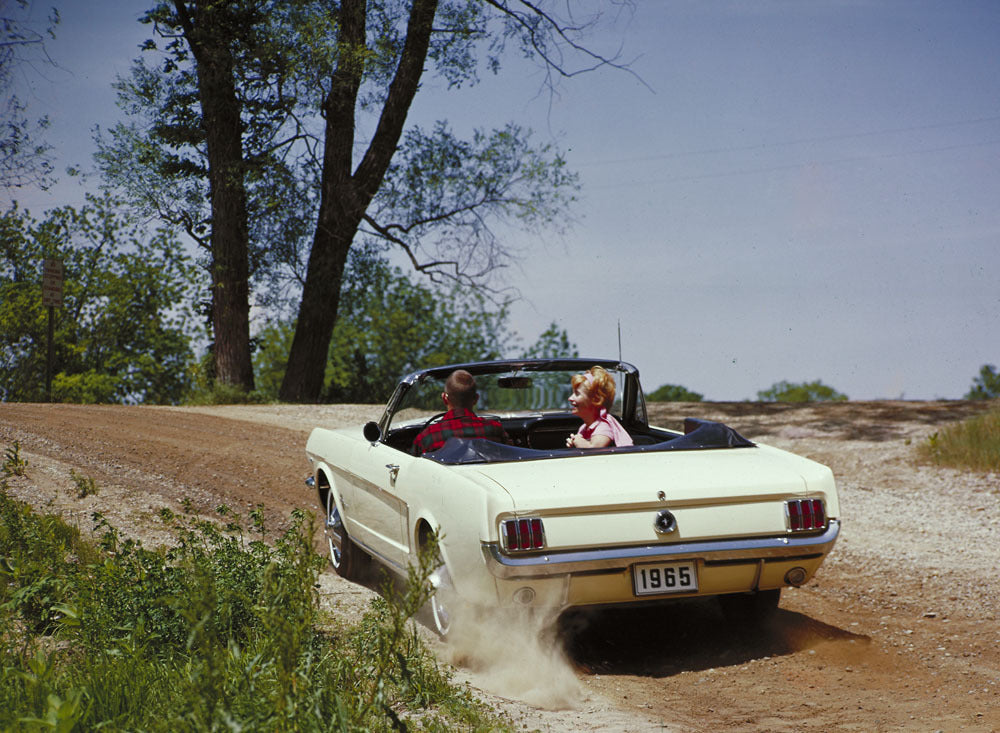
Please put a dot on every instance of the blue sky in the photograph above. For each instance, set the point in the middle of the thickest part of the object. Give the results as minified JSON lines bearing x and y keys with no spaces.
{"x":782,"y":190}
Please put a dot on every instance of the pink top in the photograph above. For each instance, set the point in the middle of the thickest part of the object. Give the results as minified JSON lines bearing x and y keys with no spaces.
{"x":605,"y":424}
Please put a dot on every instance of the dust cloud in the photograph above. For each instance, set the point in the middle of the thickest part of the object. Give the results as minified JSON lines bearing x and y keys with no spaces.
{"x":515,"y":653}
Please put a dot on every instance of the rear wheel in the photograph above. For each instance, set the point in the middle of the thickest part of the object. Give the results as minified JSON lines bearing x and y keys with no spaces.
{"x":750,"y":609}
{"x":444,"y":601}
{"x":345,"y":556}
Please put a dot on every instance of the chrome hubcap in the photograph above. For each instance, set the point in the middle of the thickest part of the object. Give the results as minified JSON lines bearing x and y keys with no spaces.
{"x":334,"y":531}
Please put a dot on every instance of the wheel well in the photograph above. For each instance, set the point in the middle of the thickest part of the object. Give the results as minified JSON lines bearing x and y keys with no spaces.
{"x":322,"y":488}
{"x":424,"y":533}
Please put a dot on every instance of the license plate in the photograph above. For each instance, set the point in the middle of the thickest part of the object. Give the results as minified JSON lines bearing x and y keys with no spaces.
{"x":672,"y":577}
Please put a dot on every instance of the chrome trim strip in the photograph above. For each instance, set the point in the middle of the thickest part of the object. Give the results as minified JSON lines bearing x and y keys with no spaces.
{"x":619,"y":558}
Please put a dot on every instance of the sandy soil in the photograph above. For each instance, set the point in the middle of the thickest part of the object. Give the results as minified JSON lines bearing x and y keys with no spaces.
{"x":899,"y":631}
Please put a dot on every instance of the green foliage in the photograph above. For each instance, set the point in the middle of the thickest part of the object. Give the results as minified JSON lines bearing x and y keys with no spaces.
{"x":673,"y":393}
{"x":986,"y":386}
{"x":85,"y":485}
{"x":205,"y":390}
{"x":13,"y":464}
{"x":553,"y":343}
{"x":122,"y":334}
{"x":36,"y":566}
{"x":800,"y":392}
{"x":388,"y":326}
{"x":971,"y":444}
{"x":219,"y":631}
{"x":446,"y":190}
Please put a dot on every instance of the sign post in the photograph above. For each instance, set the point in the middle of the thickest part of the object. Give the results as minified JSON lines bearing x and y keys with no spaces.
{"x":52,"y":297}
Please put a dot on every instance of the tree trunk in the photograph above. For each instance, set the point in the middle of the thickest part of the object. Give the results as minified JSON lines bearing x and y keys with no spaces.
{"x":345,"y":197}
{"x":230,"y":239}
{"x":303,"y":380}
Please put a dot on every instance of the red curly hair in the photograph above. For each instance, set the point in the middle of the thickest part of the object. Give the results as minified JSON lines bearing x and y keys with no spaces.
{"x":599,"y":386}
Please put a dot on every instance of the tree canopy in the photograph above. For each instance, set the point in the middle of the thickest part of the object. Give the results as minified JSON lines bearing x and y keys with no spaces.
{"x":123,"y":332}
{"x":815,"y":391}
{"x":986,"y":386}
{"x":673,"y":393}
{"x":391,"y":325}
{"x":275,"y":134}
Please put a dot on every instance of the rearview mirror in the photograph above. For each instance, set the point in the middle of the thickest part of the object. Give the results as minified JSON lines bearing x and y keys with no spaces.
{"x":514,"y":382}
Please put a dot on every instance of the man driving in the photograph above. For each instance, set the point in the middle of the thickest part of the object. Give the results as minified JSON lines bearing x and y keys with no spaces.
{"x":459,"y":396}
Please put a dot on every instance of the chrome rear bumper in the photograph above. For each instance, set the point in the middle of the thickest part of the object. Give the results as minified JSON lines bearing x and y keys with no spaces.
{"x":618,"y":558}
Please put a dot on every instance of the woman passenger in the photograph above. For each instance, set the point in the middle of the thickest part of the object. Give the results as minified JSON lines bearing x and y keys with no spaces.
{"x":593,"y":394}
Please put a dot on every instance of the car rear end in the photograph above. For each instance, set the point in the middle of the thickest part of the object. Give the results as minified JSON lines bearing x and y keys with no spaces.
{"x":627,"y":528}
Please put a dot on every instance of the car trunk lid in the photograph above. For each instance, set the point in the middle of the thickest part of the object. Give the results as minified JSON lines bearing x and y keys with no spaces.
{"x":592,"y":500}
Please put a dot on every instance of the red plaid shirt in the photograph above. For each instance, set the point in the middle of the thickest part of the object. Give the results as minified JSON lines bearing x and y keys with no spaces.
{"x":458,"y":423}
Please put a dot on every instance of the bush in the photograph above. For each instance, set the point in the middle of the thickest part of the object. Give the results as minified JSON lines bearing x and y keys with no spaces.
{"x":217,"y":632}
{"x":972,"y":444}
{"x":986,"y":386}
{"x":800,"y":392}
{"x":85,"y":485}
{"x":13,"y":464}
{"x":673,"y":393}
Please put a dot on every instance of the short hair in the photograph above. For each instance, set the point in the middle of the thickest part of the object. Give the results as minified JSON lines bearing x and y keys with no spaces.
{"x":600,"y":385}
{"x":460,"y":386}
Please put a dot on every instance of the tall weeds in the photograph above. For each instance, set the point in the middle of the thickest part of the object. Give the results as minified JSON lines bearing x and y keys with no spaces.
{"x":973,"y":444}
{"x":220,"y":631}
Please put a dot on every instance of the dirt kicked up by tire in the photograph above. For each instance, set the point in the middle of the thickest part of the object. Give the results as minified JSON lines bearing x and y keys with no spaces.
{"x":899,"y":630}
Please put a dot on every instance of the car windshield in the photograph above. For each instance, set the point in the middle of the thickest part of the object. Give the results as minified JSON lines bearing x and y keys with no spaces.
{"x":507,"y":393}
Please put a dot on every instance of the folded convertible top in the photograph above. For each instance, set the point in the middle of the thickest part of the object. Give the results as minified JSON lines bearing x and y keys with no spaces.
{"x":698,"y":435}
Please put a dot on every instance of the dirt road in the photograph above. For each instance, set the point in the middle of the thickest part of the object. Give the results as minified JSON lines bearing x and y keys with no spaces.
{"x":899,"y":631}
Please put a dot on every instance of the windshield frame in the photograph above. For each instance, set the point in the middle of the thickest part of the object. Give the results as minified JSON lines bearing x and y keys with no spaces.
{"x":633,"y":405}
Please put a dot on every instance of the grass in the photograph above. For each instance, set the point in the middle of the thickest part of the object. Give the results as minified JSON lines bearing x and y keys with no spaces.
{"x":85,"y":485}
{"x":220,"y":631}
{"x":13,"y":464}
{"x":971,"y":444}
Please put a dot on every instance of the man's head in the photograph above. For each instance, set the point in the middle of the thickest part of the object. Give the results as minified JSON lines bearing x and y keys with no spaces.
{"x":460,"y":390}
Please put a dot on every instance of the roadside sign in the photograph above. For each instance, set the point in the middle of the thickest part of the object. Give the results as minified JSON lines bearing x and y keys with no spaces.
{"x":52,"y":283}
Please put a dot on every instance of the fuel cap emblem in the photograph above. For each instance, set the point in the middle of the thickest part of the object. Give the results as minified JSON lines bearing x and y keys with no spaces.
{"x":665,"y":522}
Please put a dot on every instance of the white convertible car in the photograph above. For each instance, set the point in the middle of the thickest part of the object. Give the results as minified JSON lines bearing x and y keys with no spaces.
{"x":702,"y":512}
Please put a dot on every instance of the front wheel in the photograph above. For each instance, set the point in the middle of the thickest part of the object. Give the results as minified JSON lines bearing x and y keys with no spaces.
{"x":345,"y":556}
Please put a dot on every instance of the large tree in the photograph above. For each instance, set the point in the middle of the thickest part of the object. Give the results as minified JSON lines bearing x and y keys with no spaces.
{"x":309,"y":77}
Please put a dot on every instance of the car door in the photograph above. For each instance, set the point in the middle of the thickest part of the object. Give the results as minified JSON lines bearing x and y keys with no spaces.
{"x":377,"y":517}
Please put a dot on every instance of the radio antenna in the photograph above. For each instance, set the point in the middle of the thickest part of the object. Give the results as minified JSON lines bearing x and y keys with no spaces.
{"x":619,"y":339}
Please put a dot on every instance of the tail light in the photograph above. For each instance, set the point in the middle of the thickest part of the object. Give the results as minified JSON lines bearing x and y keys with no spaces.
{"x":520,"y":535}
{"x":805,"y":514}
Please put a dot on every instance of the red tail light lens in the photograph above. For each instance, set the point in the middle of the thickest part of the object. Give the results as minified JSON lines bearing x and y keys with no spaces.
{"x":805,"y":514}
{"x":523,"y":534}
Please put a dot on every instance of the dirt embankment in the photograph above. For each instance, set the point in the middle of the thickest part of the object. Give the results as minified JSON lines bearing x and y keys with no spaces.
{"x":899,"y":631}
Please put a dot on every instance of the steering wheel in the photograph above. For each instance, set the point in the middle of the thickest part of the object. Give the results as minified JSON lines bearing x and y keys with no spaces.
{"x":432,"y":418}
{"x":416,"y":449}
